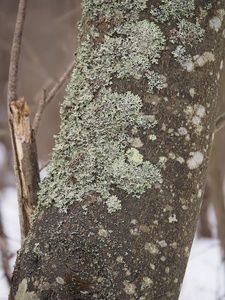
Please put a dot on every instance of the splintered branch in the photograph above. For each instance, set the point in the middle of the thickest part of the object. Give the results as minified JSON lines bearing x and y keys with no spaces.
{"x":26,"y":163}
{"x":45,"y":100}
{"x":22,"y":135}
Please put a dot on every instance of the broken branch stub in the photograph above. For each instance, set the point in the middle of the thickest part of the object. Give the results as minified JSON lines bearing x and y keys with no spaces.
{"x":25,"y":161}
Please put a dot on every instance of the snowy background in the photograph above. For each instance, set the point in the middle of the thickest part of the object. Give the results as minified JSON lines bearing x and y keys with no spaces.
{"x":205,"y":275}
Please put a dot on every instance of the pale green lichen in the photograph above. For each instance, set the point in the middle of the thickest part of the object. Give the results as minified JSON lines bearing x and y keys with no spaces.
{"x":134,"y":156}
{"x":186,"y":32}
{"x":37,"y":250}
{"x":113,"y":204}
{"x":113,"y":10}
{"x":23,"y":294}
{"x":175,"y":9}
{"x":92,"y":152}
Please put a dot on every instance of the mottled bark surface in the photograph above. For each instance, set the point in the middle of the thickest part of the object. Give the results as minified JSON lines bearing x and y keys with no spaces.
{"x":118,"y":210}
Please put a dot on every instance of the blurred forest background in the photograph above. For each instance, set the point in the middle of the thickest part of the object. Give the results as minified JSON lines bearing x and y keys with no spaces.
{"x":48,"y":46}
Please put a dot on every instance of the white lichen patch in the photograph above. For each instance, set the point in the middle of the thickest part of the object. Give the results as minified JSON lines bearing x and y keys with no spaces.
{"x":153,"y":249}
{"x":174,"y":245}
{"x":194,"y":116}
{"x":182,"y":131}
{"x":103,"y":233}
{"x":129,"y":287}
{"x":146,"y":283}
{"x":113,"y":204}
{"x":180,"y":159}
{"x":162,"y":243}
{"x":119,"y":259}
{"x":200,"y":111}
{"x":152,"y":137}
{"x":60,"y":280}
{"x":134,"y":221}
{"x":192,"y":92}
{"x":196,"y":120}
{"x":189,"y":65}
{"x":167,"y":270}
{"x":216,"y":22}
{"x":137,"y":143}
{"x":199,"y":193}
{"x":204,"y":58}
{"x":152,"y":266}
{"x":195,"y":160}
{"x":173,"y":218}
{"x":134,"y":231}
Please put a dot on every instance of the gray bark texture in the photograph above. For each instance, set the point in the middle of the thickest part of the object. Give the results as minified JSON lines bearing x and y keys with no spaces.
{"x":117,"y":211}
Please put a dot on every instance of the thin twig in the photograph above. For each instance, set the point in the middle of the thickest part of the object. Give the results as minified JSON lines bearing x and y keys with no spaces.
{"x":15,"y":52}
{"x":220,"y":122}
{"x":45,"y":100}
{"x":44,"y":165}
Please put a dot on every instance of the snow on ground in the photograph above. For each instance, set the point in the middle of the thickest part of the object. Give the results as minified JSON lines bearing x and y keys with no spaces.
{"x":205,"y":274}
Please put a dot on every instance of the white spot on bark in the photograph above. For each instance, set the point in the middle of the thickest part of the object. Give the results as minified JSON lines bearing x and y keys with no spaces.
{"x":146,"y":283}
{"x":204,"y":58}
{"x":173,"y":218}
{"x":196,"y":160}
{"x":102,"y":232}
{"x":221,"y":65}
{"x":137,"y":143}
{"x":218,"y":76}
{"x":180,"y":160}
{"x":199,"y":193}
{"x":189,"y":66}
{"x":152,"y":266}
{"x":192,"y":92}
{"x":119,"y":259}
{"x":151,"y":248}
{"x":162,"y":258}
{"x":167,"y":270}
{"x":215,"y":23}
{"x":200,"y":111}
{"x":196,"y":120}
{"x":162,"y":243}
{"x":134,"y":221}
{"x":60,"y":280}
{"x":182,"y":131}
{"x":129,"y":287}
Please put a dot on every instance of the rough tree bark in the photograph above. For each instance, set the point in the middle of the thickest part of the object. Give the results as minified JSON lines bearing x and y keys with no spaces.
{"x":118,"y":210}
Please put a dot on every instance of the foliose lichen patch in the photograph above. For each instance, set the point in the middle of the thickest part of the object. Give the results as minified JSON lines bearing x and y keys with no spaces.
{"x":95,"y":149}
{"x":94,"y":145}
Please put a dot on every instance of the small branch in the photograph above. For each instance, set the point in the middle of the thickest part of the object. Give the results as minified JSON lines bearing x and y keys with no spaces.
{"x":44,"y":165}
{"x":220,"y":122}
{"x":15,"y":52}
{"x":45,"y":100}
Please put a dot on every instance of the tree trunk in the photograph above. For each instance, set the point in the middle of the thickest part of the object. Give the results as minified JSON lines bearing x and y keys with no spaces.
{"x":118,"y":210}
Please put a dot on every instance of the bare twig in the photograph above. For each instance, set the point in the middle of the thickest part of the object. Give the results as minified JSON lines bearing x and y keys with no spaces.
{"x":220,"y":122}
{"x":45,"y":100}
{"x":44,"y":165}
{"x":35,"y":60}
{"x":15,"y":52}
